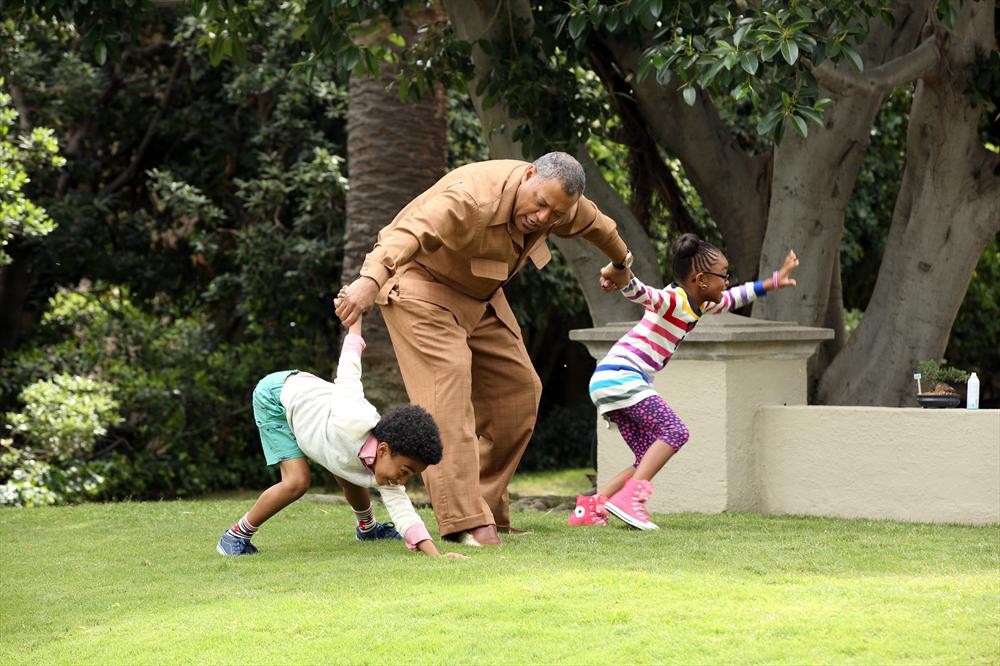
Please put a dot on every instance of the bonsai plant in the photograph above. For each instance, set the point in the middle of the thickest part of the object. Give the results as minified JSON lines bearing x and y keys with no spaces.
{"x":936,"y":384}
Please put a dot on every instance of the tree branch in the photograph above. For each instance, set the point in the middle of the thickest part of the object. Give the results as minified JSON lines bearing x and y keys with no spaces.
{"x":133,"y":167}
{"x":885,"y":77}
{"x":698,"y":136}
{"x":23,"y":113}
{"x":649,"y":172}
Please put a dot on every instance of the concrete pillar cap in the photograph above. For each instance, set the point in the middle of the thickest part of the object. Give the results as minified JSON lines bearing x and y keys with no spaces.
{"x":722,"y":336}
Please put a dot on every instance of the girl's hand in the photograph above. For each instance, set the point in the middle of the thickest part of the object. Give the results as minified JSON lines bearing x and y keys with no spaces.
{"x":791,"y":261}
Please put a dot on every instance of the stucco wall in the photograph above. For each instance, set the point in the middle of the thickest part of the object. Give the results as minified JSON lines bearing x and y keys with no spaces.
{"x":740,"y":386}
{"x":916,"y":465}
{"x":717,"y":400}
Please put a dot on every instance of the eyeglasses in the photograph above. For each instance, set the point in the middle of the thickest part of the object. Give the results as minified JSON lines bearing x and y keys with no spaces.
{"x":728,"y":277}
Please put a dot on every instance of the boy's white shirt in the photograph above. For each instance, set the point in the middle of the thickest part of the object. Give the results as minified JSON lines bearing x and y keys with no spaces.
{"x":331,"y":421}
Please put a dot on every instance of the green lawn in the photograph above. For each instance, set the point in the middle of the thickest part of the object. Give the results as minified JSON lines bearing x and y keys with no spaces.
{"x":141,"y":583}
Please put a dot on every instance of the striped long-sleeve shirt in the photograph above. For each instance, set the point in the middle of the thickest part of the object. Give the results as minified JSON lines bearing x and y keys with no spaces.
{"x":624,"y":377}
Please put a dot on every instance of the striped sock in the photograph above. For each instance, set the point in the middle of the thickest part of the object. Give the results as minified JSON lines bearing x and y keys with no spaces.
{"x":366,"y":519}
{"x":243,"y":529}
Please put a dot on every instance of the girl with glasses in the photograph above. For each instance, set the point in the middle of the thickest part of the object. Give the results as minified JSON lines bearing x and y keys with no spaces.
{"x":621,"y":386}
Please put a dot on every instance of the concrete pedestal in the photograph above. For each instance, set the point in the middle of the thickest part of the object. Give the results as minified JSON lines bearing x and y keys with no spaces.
{"x":725,"y":369}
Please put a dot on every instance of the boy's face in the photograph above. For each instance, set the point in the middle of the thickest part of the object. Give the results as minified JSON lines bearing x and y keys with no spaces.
{"x":394,"y":469}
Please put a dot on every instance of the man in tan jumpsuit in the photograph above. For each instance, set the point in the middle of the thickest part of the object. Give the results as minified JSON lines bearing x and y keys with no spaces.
{"x":437,"y":271}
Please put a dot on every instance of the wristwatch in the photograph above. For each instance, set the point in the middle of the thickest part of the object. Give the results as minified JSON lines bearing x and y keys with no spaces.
{"x":626,"y":263}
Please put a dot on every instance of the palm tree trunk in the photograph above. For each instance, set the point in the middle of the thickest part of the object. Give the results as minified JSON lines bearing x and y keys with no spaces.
{"x":395,"y":151}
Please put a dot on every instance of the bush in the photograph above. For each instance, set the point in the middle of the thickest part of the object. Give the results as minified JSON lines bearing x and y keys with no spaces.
{"x":936,"y":372}
{"x":63,"y":418}
{"x":565,"y":437}
{"x":183,"y":396}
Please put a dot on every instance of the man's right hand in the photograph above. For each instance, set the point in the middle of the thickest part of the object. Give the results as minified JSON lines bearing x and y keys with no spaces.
{"x":614,"y":278}
{"x":355,"y":300}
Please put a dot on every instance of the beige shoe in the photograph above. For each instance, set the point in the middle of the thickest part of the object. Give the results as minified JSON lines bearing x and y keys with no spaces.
{"x":484,"y":535}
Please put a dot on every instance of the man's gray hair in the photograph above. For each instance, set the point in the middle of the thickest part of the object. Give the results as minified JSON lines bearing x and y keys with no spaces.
{"x":564,"y":167}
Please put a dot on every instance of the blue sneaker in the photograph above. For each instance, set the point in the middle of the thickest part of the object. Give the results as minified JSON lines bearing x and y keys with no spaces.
{"x":231,"y":546}
{"x":380,"y":531}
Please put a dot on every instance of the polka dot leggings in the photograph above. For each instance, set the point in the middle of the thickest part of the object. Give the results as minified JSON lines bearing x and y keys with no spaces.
{"x":648,"y":421}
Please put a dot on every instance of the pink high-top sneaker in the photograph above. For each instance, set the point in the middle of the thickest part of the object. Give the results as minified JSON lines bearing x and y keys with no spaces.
{"x":589,"y":511}
{"x":629,"y":504}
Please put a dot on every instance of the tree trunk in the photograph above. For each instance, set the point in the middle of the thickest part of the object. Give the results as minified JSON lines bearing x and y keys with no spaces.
{"x":15,"y":282}
{"x":947,"y":211}
{"x":812,"y":185}
{"x":395,"y":151}
{"x":814,"y":179}
{"x":474,"y":20}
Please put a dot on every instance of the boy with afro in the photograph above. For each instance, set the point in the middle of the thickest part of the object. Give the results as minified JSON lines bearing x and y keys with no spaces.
{"x":301,"y":416}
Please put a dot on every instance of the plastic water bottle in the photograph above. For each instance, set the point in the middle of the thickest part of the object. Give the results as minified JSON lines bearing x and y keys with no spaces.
{"x":972,"y":392}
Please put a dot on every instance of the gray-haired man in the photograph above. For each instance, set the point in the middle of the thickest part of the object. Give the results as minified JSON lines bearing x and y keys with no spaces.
{"x":438,"y":272}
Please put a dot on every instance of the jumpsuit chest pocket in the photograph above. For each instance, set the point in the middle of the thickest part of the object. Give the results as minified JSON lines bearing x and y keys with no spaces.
{"x":490,"y":269}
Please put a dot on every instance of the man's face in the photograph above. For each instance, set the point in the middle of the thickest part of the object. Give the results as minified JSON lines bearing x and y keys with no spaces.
{"x":394,"y":469}
{"x":539,"y":202}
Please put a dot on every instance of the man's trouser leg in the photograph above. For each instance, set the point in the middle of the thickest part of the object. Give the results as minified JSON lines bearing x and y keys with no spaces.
{"x":436,"y":365}
{"x":505,"y":394}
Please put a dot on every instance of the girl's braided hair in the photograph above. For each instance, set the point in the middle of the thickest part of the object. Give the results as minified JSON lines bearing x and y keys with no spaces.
{"x":691,"y":254}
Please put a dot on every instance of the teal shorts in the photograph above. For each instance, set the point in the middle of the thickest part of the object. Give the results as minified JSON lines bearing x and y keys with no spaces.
{"x":275,"y":435}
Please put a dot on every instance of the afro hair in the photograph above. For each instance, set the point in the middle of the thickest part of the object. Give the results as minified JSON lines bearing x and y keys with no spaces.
{"x":411,"y":431}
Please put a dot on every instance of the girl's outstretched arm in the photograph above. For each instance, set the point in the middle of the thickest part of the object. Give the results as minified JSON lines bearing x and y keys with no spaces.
{"x":743,"y":294}
{"x":654,"y":300}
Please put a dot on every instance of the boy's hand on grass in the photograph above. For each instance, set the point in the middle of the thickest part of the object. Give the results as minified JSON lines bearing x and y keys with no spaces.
{"x":427,"y":547}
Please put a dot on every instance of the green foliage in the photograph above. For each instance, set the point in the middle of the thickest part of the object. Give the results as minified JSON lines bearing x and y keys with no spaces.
{"x":935,"y":371}
{"x":869,"y":212}
{"x":25,"y":480}
{"x":105,"y":24}
{"x":62,"y":419}
{"x":559,"y":101}
{"x":203,"y":228}
{"x":64,"y":415}
{"x":465,"y":136}
{"x":759,"y":52}
{"x":19,"y":154}
{"x":975,"y":339}
{"x":852,"y":318}
{"x":563,"y":438}
{"x":183,"y":396}
{"x":983,"y":77}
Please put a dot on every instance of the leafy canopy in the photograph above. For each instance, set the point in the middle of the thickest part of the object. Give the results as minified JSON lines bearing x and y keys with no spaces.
{"x":19,"y":153}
